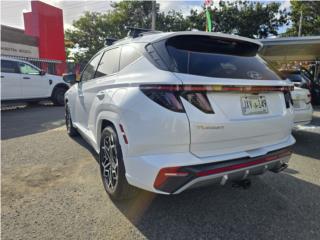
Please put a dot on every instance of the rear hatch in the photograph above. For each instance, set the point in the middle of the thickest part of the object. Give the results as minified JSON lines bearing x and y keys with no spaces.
{"x":233,"y":100}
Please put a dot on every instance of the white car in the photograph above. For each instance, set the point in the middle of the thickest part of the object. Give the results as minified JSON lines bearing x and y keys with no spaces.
{"x":22,"y":81}
{"x":171,"y":111}
{"x":302,"y":106}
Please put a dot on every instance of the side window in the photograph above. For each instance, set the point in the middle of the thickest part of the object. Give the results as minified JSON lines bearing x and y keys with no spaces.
{"x":9,"y":66}
{"x":89,"y":71}
{"x":109,"y":63}
{"x":28,"y":69}
{"x":128,"y":55}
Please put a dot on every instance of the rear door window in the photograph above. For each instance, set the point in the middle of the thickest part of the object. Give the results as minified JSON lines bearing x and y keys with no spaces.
{"x":211,"y":57}
{"x":9,"y":66}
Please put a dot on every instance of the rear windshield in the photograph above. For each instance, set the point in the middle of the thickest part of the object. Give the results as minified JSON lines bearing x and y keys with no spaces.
{"x":294,"y":77}
{"x":206,"y":56}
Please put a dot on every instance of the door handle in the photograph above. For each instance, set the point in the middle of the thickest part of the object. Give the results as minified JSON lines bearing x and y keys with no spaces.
{"x":100,"y":95}
{"x":2,"y":76}
{"x":26,"y":78}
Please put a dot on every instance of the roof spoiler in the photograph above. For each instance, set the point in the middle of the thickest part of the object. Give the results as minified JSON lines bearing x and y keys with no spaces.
{"x":135,"y":32}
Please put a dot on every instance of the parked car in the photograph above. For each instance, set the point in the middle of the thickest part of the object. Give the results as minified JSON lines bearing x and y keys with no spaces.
{"x":299,"y":78}
{"x":22,"y":81}
{"x":302,"y":106}
{"x":171,"y":111}
{"x":304,"y":79}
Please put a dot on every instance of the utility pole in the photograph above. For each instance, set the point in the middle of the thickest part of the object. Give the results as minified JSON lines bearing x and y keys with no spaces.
{"x":300,"y":24}
{"x":153,"y":15}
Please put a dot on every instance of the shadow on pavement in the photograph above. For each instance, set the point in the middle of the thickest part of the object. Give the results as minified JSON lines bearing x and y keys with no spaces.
{"x":17,"y":122}
{"x":308,"y":144}
{"x":277,"y":206}
{"x":308,"y":139}
{"x":86,"y":145}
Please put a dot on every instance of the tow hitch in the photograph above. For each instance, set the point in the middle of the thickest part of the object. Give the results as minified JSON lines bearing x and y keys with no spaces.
{"x":245,"y":184}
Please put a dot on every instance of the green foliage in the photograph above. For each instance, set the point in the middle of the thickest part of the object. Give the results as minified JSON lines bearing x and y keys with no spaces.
{"x":172,"y":21}
{"x":310,"y":21}
{"x":249,"y":19}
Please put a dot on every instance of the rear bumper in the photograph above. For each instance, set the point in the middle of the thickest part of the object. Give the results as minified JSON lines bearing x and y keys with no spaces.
{"x":142,"y":171}
{"x":223,"y":172}
{"x":302,"y":116}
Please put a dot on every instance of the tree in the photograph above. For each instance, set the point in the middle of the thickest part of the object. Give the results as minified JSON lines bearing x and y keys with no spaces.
{"x":91,"y":29}
{"x":171,"y":21}
{"x":310,"y":18}
{"x":249,"y":19}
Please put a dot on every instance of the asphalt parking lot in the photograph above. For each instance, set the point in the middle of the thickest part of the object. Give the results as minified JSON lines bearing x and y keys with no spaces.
{"x":51,"y":189}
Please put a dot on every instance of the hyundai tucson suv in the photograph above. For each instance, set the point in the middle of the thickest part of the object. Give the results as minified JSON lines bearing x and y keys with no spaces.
{"x":22,"y":81}
{"x":171,"y":111}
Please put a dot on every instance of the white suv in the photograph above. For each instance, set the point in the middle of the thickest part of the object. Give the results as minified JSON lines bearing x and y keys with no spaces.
{"x":22,"y":81}
{"x":171,"y":111}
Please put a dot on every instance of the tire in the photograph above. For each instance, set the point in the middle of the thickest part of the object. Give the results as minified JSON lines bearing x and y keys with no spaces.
{"x":111,"y":160}
{"x":58,"y":96}
{"x":33,"y":103}
{"x":70,"y":129}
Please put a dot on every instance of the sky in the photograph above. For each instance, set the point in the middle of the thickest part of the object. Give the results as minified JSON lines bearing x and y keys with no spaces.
{"x":12,"y":10}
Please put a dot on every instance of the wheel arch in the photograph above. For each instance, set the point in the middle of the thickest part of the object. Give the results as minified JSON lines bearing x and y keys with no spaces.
{"x":105,"y":119}
{"x":59,"y":85}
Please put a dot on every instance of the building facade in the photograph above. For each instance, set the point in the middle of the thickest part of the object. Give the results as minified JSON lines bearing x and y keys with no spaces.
{"x":42,"y":40}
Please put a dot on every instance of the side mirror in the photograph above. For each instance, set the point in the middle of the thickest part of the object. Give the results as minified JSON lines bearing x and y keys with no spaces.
{"x":70,"y":78}
{"x":42,"y":73}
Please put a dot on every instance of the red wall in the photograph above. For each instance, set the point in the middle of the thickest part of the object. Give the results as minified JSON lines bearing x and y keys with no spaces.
{"x":46,"y":23}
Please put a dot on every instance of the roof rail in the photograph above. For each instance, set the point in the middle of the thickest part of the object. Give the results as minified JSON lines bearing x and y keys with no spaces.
{"x":137,"y":32}
{"x":109,"y":41}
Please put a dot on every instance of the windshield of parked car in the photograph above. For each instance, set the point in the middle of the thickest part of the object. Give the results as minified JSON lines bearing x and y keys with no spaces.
{"x":210,"y":57}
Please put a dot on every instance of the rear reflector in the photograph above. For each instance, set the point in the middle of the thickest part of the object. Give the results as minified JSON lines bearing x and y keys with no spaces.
{"x":166,"y":173}
{"x":125,"y":139}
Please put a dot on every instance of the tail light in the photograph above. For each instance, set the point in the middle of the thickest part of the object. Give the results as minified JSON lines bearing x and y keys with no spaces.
{"x":199,"y":100}
{"x":308,"y":99}
{"x":168,"y":96}
{"x":165,"y":98}
{"x":288,"y":99}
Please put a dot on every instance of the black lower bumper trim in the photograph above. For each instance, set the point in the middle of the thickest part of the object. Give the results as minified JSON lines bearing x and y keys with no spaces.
{"x":174,"y":183}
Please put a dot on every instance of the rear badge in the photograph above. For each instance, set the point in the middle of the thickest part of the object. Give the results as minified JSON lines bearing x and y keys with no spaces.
{"x":209,"y":127}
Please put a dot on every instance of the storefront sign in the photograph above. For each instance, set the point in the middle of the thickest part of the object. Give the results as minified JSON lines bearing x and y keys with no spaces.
{"x":15,"y":49}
